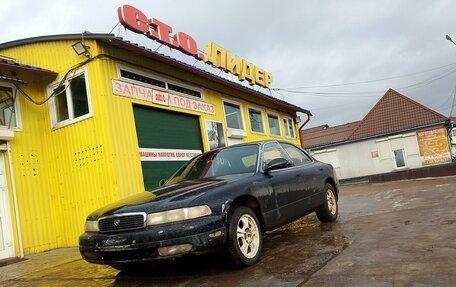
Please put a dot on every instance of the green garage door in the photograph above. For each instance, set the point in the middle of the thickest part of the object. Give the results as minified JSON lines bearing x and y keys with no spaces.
{"x":166,"y":136}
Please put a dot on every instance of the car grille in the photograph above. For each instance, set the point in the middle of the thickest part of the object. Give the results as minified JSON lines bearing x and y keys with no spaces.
{"x":121,"y":222}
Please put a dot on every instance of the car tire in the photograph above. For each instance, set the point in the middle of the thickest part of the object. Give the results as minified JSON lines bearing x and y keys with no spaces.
{"x":243,"y":247}
{"x":329,"y":211}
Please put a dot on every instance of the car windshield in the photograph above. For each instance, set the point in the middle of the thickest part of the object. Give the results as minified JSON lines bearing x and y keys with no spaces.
{"x":234,"y":160}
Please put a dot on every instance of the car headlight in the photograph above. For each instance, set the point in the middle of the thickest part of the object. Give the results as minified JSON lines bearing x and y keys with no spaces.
{"x":180,"y":214}
{"x":91,"y":226}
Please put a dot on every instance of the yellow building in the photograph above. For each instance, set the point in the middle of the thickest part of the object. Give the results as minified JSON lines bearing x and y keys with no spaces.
{"x":85,"y":130}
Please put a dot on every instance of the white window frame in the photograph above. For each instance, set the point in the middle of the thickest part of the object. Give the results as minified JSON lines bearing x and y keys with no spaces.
{"x":241,"y":108}
{"x":71,"y":120}
{"x":405,"y":159}
{"x":262,"y":119}
{"x":287,"y":130}
{"x":155,"y":76}
{"x":17,"y":108}
{"x":280,"y":125}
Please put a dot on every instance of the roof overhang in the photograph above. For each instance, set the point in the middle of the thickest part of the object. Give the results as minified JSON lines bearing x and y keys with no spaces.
{"x":134,"y":48}
{"x":15,"y":66}
{"x":199,"y":72}
{"x":12,"y":80}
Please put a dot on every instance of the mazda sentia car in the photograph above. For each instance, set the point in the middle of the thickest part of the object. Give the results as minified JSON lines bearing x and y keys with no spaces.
{"x":220,"y":200}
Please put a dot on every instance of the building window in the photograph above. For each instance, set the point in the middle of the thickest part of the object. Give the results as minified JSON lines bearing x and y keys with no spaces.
{"x":71,"y":101}
{"x":233,"y":116}
{"x":399,"y":158}
{"x":184,"y":90}
{"x":153,"y":81}
{"x":141,"y":78}
{"x":256,"y":120}
{"x":8,"y":108}
{"x":274,"y":125}
{"x":289,"y":127}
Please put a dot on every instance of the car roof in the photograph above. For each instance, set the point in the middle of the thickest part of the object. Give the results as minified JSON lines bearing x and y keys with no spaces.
{"x":260,"y":143}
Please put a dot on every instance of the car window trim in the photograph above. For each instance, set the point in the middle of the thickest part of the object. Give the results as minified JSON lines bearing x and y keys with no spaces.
{"x":262,"y":157}
{"x":303,"y":151}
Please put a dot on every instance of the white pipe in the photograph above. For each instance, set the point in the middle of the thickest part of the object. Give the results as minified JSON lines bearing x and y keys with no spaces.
{"x":16,"y":210}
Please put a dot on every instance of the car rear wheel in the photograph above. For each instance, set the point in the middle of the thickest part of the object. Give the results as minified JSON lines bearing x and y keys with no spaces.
{"x":329,"y":211}
{"x":244,"y":238}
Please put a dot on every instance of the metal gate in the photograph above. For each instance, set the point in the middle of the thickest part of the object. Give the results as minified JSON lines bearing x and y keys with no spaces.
{"x":166,"y":141}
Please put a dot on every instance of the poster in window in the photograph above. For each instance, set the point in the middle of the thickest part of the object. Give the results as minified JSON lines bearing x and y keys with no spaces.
{"x":433,"y":144}
{"x":215,"y":135}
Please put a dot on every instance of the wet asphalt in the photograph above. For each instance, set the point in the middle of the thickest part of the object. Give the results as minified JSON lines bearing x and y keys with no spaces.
{"x":388,"y":234}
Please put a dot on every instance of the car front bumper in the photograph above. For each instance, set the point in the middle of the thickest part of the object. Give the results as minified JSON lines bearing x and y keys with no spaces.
{"x":141,"y":245}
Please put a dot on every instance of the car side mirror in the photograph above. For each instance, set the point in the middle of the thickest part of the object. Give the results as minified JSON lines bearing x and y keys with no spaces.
{"x":276,"y":163}
{"x":162,"y":182}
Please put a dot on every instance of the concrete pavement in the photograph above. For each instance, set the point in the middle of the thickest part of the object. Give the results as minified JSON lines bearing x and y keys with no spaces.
{"x":388,"y":234}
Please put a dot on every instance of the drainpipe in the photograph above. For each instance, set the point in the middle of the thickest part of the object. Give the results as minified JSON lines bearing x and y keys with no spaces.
{"x":16,"y":210}
{"x":309,"y":114}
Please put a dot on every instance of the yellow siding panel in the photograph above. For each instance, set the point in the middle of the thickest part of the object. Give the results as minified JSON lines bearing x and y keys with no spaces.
{"x":61,"y":175}
{"x":64,"y":174}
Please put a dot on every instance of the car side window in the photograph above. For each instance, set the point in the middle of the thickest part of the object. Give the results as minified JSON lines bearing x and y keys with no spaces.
{"x":273,"y":152}
{"x":298,"y":157}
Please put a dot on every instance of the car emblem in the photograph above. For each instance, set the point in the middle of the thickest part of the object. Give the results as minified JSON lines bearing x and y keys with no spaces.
{"x":116,"y":222}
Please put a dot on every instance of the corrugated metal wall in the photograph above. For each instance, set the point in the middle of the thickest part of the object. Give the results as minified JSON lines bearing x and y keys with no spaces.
{"x":32,"y":171}
{"x":62,"y":175}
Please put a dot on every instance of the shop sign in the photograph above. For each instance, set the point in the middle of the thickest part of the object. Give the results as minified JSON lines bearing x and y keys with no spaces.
{"x":138,"y":92}
{"x":160,"y":154}
{"x":136,"y":21}
{"x":190,"y":104}
{"x":433,"y":145}
{"x":160,"y":98}
{"x":128,"y":90}
{"x":374,"y":154}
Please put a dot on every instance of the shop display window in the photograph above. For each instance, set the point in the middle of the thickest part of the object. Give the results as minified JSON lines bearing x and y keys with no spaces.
{"x":233,"y":116}
{"x":274,"y":125}
{"x":289,"y":128}
{"x":256,"y":120}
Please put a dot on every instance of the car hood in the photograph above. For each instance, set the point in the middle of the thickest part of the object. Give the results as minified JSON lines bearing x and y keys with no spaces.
{"x":166,"y":197}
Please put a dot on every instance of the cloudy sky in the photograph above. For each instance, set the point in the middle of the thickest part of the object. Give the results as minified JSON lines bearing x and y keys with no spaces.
{"x":335,"y":58}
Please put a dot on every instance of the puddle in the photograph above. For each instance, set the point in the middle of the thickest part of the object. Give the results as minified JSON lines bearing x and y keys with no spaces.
{"x":290,"y":255}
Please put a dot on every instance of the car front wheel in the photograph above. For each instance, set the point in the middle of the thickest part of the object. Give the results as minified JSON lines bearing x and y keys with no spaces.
{"x":329,"y":210}
{"x":244,"y":238}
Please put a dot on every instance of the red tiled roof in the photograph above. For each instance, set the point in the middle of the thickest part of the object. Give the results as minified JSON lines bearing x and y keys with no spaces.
{"x":395,"y":112}
{"x":317,"y":128}
{"x":319,"y":136}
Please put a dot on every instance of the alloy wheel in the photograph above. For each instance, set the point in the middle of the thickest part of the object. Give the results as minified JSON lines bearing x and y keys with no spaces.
{"x":332,"y":203}
{"x":248,"y":236}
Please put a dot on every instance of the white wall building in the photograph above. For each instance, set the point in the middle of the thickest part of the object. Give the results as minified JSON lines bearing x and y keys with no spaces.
{"x":398,"y":134}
